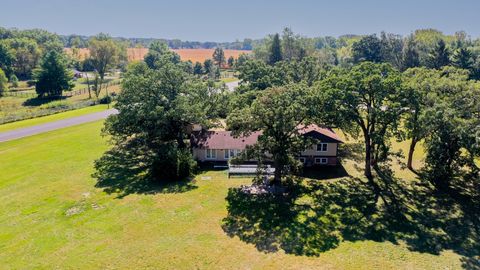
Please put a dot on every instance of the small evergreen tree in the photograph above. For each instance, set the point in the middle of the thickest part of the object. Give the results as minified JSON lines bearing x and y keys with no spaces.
{"x":275,"y":50}
{"x":14,"y":80}
{"x":439,"y":56}
{"x":197,"y":68}
{"x":231,"y":62}
{"x":53,"y":76}
{"x":207,"y":66}
{"x":462,"y":58}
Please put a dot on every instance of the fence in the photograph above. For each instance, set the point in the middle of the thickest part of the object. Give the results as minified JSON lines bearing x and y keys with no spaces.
{"x":65,"y":94}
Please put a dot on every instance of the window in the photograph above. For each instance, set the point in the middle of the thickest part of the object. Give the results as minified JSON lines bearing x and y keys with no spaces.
{"x":233,"y":152}
{"x":321,"y":161}
{"x":322,"y":147}
{"x":226,"y":156}
{"x":230,"y":153}
{"x":211,"y":153}
{"x":302,"y":159}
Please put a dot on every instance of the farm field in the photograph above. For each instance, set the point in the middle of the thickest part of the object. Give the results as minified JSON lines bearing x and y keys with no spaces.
{"x":52,"y":216}
{"x":194,"y":55}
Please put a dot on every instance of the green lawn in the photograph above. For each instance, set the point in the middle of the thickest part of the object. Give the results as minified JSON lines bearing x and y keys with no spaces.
{"x":52,"y":216}
{"x":53,"y":117}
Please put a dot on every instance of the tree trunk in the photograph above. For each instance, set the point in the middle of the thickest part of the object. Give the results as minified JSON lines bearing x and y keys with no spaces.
{"x":410,"y":154}
{"x":88,"y":86}
{"x":277,"y":177}
{"x":368,"y":158}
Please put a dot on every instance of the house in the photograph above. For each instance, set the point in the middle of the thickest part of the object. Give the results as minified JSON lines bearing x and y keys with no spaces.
{"x":219,"y":146}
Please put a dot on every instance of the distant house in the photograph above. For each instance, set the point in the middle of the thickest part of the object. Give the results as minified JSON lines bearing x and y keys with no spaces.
{"x":220,"y":146}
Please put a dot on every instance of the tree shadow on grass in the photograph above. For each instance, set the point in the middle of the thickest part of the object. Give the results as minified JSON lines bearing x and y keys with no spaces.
{"x":325,"y":172}
{"x":37,"y":101}
{"x":125,"y":172}
{"x":319,"y":215}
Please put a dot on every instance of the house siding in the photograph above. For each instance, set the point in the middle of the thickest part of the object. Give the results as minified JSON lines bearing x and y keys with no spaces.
{"x":331,"y":151}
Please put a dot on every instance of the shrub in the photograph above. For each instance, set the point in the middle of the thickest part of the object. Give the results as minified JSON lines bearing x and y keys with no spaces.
{"x":14,"y":80}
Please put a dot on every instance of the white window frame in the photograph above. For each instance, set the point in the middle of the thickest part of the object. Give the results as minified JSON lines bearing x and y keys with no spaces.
{"x":211,"y":153}
{"x":302,"y":160}
{"x":322,"y":146}
{"x":226,"y":153}
{"x":321,"y":160}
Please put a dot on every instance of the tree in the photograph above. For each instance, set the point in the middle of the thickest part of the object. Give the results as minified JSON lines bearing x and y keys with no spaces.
{"x":3,"y":82}
{"x":219,"y":57}
{"x":207,"y":66}
{"x":365,"y":99}
{"x":159,"y":54}
{"x":156,"y":108}
{"x":391,"y":48}
{"x":280,"y":113}
{"x":104,"y":54}
{"x":14,"y":80}
{"x":410,"y":56}
{"x":6,"y":58}
{"x":231,"y":62}
{"x":439,"y":56}
{"x":53,"y":76}
{"x":368,"y":48}
{"x":463,"y":58}
{"x":275,"y":50}
{"x":197,"y":68}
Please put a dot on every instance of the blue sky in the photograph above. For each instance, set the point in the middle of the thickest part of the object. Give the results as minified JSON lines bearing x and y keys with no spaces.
{"x":216,"y":20}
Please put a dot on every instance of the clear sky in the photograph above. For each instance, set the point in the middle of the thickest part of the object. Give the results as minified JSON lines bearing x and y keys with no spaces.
{"x":226,"y":20}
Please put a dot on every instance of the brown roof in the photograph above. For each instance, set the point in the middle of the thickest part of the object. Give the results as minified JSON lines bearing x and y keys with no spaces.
{"x":217,"y":139}
{"x":223,"y":140}
{"x":322,"y":130}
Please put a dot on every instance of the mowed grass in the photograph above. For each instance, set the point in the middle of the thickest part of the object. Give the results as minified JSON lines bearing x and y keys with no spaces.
{"x":53,"y":217}
{"x":53,"y":117}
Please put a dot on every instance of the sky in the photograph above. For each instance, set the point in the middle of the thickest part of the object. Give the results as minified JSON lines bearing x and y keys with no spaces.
{"x":217,"y":20}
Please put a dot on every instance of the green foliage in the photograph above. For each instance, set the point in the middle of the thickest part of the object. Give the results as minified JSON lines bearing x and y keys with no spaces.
{"x":231,"y":62}
{"x":53,"y":76}
{"x":219,"y":57}
{"x":280,"y":113}
{"x":104,"y":53}
{"x":275,"y":50}
{"x":463,"y":58}
{"x":3,"y":82}
{"x":197,"y":68}
{"x":159,"y":54}
{"x":368,"y":99}
{"x":6,"y":58}
{"x":439,"y":56}
{"x":157,"y":107}
{"x":368,"y":48}
{"x":14,"y":80}
{"x":410,"y":56}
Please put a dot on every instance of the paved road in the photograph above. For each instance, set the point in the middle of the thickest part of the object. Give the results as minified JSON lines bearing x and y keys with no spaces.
{"x":232,"y":85}
{"x":29,"y":131}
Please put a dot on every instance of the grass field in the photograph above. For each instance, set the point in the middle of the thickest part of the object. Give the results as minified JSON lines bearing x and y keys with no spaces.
{"x":53,"y":217}
{"x":53,"y":117}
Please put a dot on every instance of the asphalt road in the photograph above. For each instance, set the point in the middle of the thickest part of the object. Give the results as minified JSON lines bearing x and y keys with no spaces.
{"x":232,"y":85}
{"x":29,"y":131}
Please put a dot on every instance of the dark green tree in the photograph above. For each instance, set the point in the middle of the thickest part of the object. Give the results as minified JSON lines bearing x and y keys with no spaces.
{"x":6,"y":58}
{"x":280,"y":113}
{"x":3,"y":82}
{"x":207,"y":66}
{"x":197,"y":68}
{"x":463,"y":58}
{"x":53,"y":77}
{"x":439,"y":56}
{"x":156,"y":110}
{"x":410,"y":56}
{"x":368,"y":48}
{"x":231,"y":62}
{"x":366,"y":99}
{"x":275,"y":54}
{"x":159,"y":54}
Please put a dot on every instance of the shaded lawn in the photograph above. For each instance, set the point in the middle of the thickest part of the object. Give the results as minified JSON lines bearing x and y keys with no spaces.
{"x":53,"y":216}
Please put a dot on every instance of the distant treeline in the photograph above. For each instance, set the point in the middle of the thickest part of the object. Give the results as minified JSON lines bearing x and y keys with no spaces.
{"x":82,"y":42}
